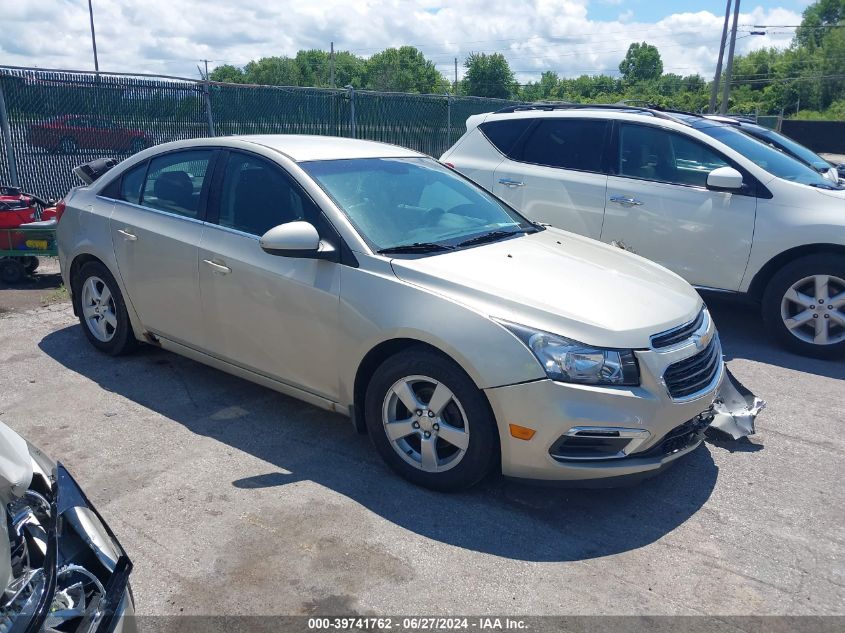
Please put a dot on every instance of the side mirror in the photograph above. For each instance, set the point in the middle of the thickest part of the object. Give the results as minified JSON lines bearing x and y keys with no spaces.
{"x":296,"y":239}
{"x":724,"y":179}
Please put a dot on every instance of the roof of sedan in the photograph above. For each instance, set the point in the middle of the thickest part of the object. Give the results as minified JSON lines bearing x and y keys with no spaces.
{"x":300,"y":147}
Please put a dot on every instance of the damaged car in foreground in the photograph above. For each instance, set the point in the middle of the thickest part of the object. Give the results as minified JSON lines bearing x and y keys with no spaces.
{"x":61,"y":568}
{"x":373,"y":281}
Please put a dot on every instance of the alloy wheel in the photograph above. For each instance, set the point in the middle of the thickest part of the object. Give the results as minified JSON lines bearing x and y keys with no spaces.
{"x":425,"y":424}
{"x":813,"y":309}
{"x":98,"y":308}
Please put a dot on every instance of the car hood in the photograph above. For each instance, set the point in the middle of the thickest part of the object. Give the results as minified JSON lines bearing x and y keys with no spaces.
{"x":561,"y":283}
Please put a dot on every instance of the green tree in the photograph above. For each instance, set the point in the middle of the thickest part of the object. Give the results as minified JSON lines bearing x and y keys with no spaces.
{"x":402,"y":69}
{"x":816,"y":17}
{"x":488,"y":76}
{"x":227,"y":74}
{"x":273,"y":71}
{"x":642,"y":62}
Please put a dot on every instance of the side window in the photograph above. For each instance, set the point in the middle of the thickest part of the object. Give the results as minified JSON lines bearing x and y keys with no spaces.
{"x":650,"y":153}
{"x":131,"y":183}
{"x":257,"y":195}
{"x":693,"y":161}
{"x":505,"y":134}
{"x":567,"y":143}
{"x":174,"y":182}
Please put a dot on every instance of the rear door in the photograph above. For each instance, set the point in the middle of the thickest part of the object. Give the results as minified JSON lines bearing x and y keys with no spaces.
{"x":659,"y":206}
{"x":555,"y":174}
{"x":156,"y":228}
{"x":275,"y":315}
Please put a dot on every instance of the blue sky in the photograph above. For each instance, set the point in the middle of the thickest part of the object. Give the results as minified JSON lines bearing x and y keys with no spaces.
{"x":570,"y":37}
{"x":651,"y":10}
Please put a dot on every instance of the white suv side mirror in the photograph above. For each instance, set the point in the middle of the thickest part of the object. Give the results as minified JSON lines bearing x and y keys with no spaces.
{"x":724,"y":179}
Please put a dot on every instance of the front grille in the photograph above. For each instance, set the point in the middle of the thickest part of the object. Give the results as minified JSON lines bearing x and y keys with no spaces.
{"x":693,"y":374}
{"x":678,"y":334}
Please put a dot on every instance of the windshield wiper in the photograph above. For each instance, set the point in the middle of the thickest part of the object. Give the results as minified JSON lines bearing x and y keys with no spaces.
{"x":416,"y":247}
{"x":492,"y":236}
{"x":824,"y":185}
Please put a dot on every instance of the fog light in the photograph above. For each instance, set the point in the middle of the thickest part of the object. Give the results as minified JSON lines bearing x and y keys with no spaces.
{"x":521,"y":432}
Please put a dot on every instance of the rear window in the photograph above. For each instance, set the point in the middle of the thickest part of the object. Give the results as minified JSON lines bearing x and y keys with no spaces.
{"x":567,"y":144}
{"x":505,"y":134}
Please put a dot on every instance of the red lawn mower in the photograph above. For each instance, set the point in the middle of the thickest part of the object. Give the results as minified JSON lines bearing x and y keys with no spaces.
{"x":27,"y":229}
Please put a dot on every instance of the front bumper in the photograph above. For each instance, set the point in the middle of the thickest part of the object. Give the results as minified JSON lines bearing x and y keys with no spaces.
{"x":76,"y":543}
{"x":552,"y":409}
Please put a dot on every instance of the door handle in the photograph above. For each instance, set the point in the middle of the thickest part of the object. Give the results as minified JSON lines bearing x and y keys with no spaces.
{"x":128,"y":235}
{"x":507,"y":182}
{"x":218,"y":268}
{"x":626,"y":201}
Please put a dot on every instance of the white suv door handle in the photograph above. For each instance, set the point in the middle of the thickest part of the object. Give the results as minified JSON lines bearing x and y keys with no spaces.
{"x":128,"y":235}
{"x":218,"y":268}
{"x":507,"y":182}
{"x":626,"y":201}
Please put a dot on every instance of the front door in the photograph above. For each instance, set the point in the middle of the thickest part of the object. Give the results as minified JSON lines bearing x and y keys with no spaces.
{"x":274,"y":315}
{"x":555,"y":175}
{"x":659,"y":206}
{"x":156,"y":228}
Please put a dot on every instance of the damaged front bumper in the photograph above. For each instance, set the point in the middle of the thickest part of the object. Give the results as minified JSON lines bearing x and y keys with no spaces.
{"x":735,"y":408}
{"x":70,"y":572}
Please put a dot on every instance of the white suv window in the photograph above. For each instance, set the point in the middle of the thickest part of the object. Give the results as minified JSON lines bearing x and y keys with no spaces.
{"x":650,"y":153}
{"x":567,"y":144}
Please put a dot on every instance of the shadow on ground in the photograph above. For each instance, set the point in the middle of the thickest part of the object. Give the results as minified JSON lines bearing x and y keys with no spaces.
{"x":741,"y":329}
{"x":498,"y":517}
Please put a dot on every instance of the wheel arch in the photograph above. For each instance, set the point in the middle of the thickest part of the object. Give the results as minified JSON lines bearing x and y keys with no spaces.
{"x":75,"y":266}
{"x":376,"y":356}
{"x":764,"y":275}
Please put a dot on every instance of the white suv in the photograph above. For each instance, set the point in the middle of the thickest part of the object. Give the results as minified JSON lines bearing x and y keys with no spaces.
{"x":721,"y":209}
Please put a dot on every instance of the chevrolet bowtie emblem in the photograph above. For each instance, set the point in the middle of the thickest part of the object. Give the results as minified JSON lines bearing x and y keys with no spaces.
{"x":702,"y":340}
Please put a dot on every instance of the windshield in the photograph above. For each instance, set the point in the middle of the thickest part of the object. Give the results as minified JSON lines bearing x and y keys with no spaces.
{"x":415,"y":204}
{"x":788,"y":145}
{"x":772,"y":160}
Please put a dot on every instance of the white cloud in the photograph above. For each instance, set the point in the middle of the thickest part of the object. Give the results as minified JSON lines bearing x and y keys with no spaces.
{"x":171,"y":36}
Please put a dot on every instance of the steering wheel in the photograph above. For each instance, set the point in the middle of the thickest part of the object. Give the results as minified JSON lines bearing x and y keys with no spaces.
{"x":433,"y":215}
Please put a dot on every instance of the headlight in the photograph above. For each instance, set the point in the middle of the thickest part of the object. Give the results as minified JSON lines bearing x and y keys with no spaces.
{"x":570,"y":361}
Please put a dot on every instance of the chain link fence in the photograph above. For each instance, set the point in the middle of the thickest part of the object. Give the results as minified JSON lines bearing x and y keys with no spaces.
{"x":54,"y":120}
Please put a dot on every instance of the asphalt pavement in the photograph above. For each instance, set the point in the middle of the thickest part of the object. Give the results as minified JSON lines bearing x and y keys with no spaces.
{"x":233,"y":499}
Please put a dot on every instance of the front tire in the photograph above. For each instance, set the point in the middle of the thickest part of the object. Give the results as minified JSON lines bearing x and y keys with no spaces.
{"x":804,"y":306}
{"x":429,"y":422}
{"x":102,"y":310}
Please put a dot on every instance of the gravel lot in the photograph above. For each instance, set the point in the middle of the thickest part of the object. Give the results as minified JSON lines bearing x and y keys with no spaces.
{"x":232,"y":499}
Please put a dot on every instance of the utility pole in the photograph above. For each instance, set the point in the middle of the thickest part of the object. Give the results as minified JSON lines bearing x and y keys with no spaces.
{"x":714,"y":91}
{"x":456,"y":75}
{"x":331,"y":66}
{"x":206,"y":69}
{"x":93,"y":38}
{"x":726,"y":91}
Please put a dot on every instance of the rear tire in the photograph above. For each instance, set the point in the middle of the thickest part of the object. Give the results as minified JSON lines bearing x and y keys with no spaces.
{"x":68,"y":145}
{"x":11,"y":271}
{"x":804,"y":306}
{"x":102,"y":310}
{"x":451,"y":447}
{"x":31,"y":265}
